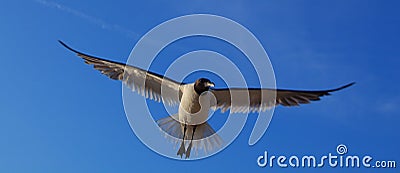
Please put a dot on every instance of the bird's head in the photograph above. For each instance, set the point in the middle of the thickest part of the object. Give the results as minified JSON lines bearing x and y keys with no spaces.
{"x":202,"y":85}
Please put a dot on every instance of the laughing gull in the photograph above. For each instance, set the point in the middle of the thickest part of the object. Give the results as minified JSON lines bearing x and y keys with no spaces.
{"x":196,"y":99}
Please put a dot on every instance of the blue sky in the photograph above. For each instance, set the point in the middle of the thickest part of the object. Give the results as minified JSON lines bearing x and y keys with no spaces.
{"x":59,"y":115}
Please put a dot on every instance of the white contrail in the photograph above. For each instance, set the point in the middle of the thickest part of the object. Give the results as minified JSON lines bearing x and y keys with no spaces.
{"x":91,"y":19}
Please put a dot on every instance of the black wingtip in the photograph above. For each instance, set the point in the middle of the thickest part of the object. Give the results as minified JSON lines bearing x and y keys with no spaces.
{"x":66,"y":46}
{"x":343,"y":87}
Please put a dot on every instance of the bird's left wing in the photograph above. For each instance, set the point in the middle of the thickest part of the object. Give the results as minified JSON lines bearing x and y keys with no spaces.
{"x":144,"y":82}
{"x":255,"y":99}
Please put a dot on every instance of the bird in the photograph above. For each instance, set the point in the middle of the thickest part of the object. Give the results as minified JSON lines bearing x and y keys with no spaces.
{"x":196,"y":99}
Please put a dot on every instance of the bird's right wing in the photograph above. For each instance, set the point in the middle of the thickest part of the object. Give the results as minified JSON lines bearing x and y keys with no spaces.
{"x":146,"y":83}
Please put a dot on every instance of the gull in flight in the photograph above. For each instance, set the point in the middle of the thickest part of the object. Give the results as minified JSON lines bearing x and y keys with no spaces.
{"x":196,"y":99}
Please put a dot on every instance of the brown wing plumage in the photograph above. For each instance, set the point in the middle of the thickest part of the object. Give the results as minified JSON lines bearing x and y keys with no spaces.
{"x":256,"y":100}
{"x":146,"y":83}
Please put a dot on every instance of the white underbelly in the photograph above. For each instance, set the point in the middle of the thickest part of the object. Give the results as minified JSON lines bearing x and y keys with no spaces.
{"x":194,"y":109}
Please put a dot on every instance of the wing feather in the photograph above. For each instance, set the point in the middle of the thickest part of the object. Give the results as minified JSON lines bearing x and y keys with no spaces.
{"x":257,"y":100}
{"x":146,"y":83}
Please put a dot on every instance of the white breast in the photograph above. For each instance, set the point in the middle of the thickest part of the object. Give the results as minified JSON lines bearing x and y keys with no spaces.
{"x":194,"y":109}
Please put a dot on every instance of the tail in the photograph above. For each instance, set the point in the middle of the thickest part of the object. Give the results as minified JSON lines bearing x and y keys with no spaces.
{"x":205,"y":138}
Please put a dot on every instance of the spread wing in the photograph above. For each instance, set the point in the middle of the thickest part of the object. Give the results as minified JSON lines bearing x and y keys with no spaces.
{"x":146,"y":83}
{"x":262,"y":99}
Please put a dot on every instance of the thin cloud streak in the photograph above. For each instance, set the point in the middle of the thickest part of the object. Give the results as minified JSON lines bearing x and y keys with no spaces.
{"x":97,"y":21}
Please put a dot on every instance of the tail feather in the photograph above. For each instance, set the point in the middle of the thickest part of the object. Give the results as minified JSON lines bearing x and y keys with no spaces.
{"x":205,"y":138}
